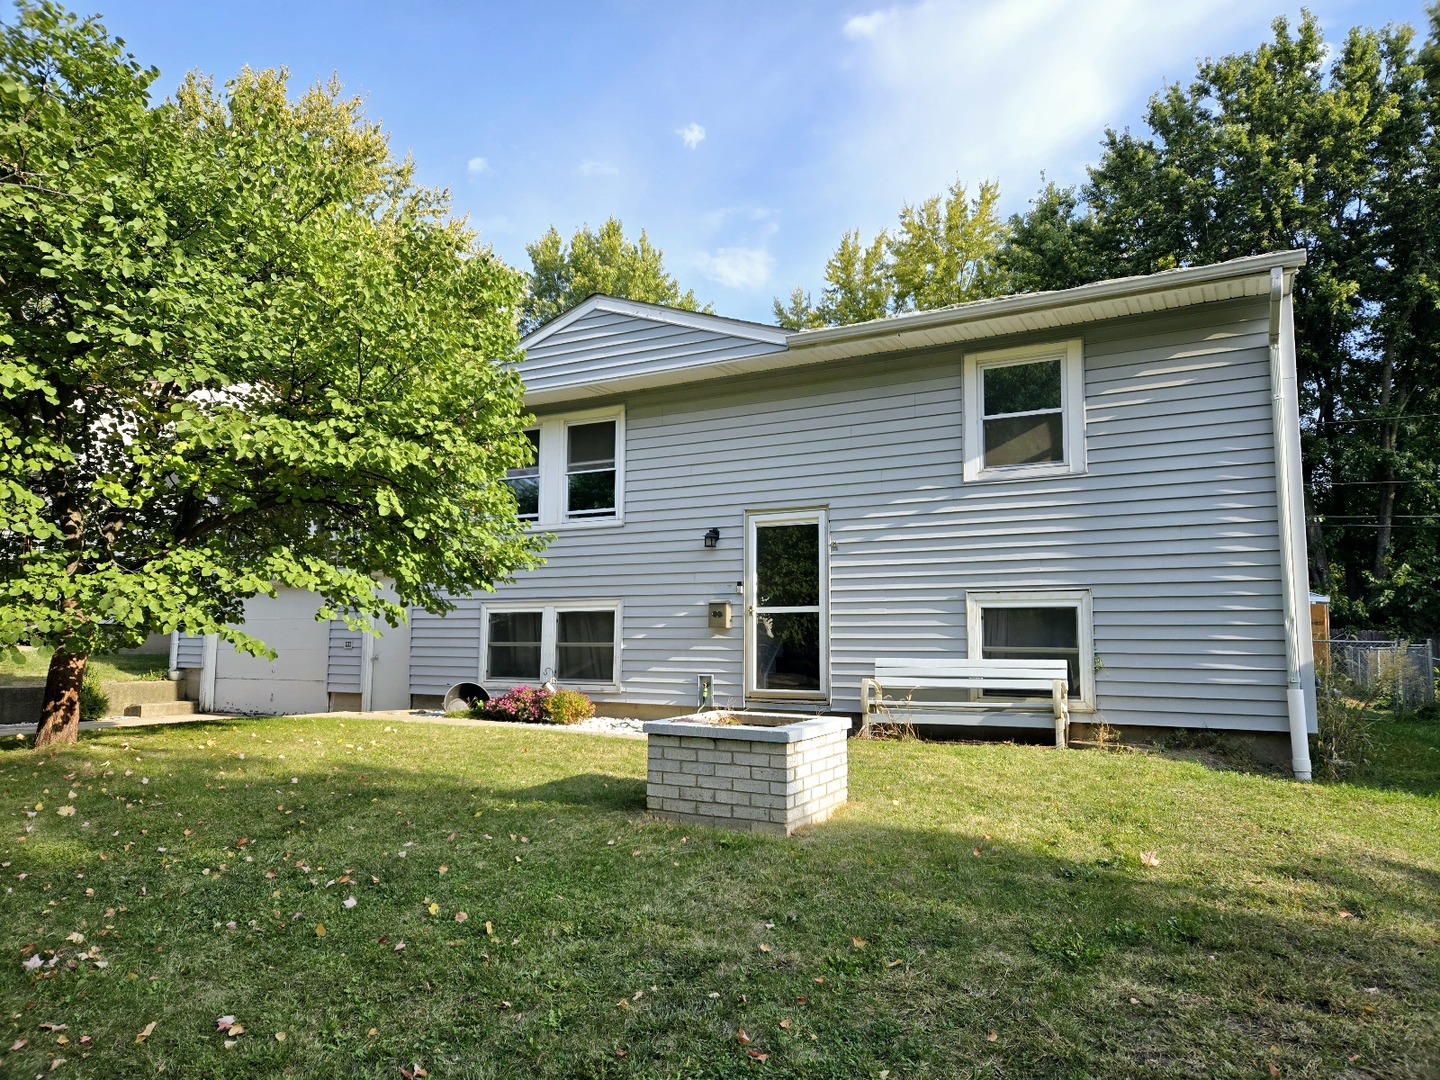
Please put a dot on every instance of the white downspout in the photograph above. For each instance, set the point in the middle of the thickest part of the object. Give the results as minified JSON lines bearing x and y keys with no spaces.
{"x":1299,"y":651}
{"x":207,"y":673}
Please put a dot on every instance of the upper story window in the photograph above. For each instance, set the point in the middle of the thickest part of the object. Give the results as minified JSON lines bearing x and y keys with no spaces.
{"x":579,"y":472}
{"x":590,"y":469}
{"x":525,"y":482}
{"x":1025,"y":411}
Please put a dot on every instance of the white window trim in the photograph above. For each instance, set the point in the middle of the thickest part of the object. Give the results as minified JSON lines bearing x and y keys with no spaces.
{"x":1071,"y":354}
{"x":1079,"y":599}
{"x":753,"y":521}
{"x":554,"y":455}
{"x":549,"y":650}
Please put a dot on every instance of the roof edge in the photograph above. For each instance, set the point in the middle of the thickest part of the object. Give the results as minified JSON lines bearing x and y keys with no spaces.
{"x":640,"y":309}
{"x":1109,"y":289}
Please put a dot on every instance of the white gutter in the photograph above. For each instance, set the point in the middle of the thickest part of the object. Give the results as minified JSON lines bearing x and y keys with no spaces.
{"x":1024,"y":303}
{"x":1294,"y":579}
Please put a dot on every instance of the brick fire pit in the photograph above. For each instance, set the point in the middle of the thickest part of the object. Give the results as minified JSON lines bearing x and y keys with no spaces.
{"x":759,"y":772}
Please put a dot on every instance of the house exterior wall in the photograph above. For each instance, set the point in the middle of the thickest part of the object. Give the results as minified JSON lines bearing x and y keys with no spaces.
{"x":1172,"y":527}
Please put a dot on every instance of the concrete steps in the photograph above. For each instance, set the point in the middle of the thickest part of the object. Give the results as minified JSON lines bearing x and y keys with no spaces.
{"x":161,"y":708}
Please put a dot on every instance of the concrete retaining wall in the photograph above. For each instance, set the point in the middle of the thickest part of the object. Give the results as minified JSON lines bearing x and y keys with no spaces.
{"x":21,"y":704}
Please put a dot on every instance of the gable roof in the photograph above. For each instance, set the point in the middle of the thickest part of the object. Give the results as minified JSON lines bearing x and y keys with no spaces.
{"x":607,"y":346}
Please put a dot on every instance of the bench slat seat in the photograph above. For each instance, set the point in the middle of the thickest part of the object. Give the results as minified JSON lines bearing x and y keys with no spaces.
{"x":950,"y":687}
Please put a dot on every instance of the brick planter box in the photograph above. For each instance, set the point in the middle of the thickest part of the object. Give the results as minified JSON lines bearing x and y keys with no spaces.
{"x":758,"y":772}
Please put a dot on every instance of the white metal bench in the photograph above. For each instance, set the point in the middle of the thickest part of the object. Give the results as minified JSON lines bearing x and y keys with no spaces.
{"x":950,"y":693}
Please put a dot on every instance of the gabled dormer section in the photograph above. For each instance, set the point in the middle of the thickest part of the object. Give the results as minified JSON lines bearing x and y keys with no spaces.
{"x":607,"y":346}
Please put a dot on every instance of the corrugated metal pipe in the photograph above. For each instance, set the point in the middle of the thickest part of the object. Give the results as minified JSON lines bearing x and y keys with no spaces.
{"x":1286,"y":414}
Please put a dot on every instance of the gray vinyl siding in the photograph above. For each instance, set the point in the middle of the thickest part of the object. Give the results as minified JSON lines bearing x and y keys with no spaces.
{"x":344,"y":660}
{"x":1172,"y":528}
{"x":608,"y":346}
{"x":190,"y":651}
{"x":444,"y":650}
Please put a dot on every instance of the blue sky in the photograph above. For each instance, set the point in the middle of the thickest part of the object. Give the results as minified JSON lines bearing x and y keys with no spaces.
{"x":745,"y":137}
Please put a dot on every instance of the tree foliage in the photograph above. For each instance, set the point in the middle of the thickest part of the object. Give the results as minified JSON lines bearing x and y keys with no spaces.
{"x":1291,"y":147}
{"x":239,"y":349}
{"x":563,"y":274}
{"x":943,"y":251}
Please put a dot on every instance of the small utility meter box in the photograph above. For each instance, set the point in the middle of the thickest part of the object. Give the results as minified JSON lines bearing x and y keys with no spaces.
{"x":720,"y":615}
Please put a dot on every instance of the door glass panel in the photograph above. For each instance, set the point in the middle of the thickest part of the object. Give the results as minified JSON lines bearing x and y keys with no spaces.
{"x":787,"y":651}
{"x":787,"y":566}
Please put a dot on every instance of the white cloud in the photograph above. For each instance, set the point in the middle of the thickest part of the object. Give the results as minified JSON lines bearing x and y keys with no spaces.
{"x":1002,"y":90}
{"x":478,"y":166}
{"x":736,"y":267}
{"x":692,"y":134}
{"x":598,"y":168}
{"x":866,"y":26}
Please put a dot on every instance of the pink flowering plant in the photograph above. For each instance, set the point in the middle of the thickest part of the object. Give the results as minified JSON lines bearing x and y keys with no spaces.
{"x":522,"y":705}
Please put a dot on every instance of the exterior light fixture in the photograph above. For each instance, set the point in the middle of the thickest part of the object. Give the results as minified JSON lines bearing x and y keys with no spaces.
{"x":712,"y":538}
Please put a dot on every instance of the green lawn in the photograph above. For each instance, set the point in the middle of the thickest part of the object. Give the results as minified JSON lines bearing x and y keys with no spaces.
{"x":975,"y":911}
{"x":29,"y":668}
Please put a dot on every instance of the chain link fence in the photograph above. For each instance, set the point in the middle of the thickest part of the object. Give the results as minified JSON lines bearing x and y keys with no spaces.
{"x":1402,"y":671}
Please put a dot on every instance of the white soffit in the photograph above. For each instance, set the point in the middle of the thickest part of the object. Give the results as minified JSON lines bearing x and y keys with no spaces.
{"x":964,"y":323}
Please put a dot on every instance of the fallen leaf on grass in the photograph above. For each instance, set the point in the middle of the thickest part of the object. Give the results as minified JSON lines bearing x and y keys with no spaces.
{"x":756,"y":1055}
{"x":460,"y":916}
{"x":66,"y":811}
{"x":622,"y":1053}
{"x":622,"y":1003}
{"x":992,"y":1036}
{"x":319,"y":929}
{"x":224,"y":1023}
{"x":372,"y":1033}
{"x":350,"y":902}
{"x":785,"y":1024}
{"x":145,"y":1032}
{"x":859,"y":942}
{"x":764,"y":947}
{"x":894,"y":963}
{"x":1150,"y":858}
{"x":280,"y":1036}
{"x":1274,"y":1069}
{"x":745,"y":1039}
{"x":18,"y":1044}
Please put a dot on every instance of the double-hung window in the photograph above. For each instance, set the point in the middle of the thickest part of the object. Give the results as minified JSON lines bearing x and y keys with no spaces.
{"x":524,"y":482}
{"x":1025,"y":412}
{"x":1049,"y":624}
{"x":578,"y":476}
{"x":532,"y":643}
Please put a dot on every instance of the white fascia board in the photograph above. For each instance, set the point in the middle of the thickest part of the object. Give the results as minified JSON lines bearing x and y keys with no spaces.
{"x":977,"y":321}
{"x":896,"y":329}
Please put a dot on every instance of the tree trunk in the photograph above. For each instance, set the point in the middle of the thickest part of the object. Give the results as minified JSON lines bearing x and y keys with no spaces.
{"x":60,"y":715}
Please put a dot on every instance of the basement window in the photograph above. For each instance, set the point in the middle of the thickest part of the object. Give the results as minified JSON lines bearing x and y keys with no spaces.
{"x":1039,"y":625}
{"x":570,"y":643}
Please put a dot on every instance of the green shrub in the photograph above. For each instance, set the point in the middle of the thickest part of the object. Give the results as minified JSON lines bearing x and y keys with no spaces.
{"x":568,"y":707}
{"x":1346,"y":732}
{"x":94,"y":702}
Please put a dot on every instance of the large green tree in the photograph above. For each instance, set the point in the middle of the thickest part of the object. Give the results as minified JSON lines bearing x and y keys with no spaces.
{"x":943,"y":251}
{"x":604,"y":261}
{"x":1291,"y":146}
{"x":239,"y":350}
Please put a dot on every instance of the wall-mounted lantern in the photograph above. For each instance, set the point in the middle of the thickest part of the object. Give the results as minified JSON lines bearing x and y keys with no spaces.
{"x":712,"y":538}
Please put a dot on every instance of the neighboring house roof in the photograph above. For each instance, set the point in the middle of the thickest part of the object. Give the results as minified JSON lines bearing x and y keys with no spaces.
{"x":607,"y":346}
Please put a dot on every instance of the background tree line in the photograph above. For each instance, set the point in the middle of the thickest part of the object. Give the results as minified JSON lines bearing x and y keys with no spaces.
{"x":1289,"y":146}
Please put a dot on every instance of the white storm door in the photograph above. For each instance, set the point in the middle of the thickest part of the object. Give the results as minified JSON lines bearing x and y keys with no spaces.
{"x":787,"y":606}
